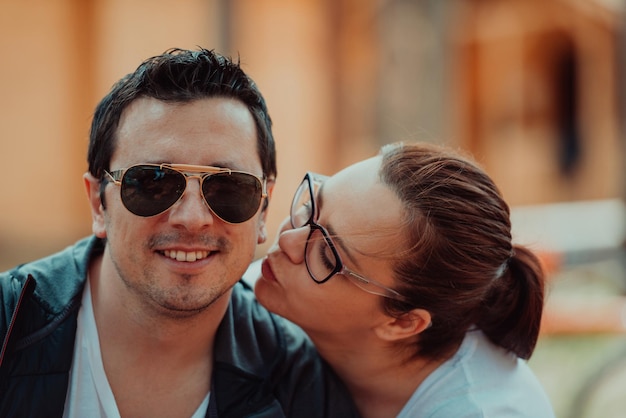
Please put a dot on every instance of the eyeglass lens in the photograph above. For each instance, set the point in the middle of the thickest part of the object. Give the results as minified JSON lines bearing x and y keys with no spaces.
{"x":320,"y":259}
{"x":302,"y":206}
{"x":150,"y":190}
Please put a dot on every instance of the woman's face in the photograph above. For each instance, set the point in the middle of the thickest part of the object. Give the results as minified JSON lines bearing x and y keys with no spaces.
{"x":363,"y":217}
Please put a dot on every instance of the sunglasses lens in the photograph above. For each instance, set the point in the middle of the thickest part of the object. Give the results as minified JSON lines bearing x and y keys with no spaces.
{"x":234,"y":197}
{"x":150,"y":190}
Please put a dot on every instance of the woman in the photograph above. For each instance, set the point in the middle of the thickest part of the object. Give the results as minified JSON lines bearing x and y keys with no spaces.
{"x":418,"y":298}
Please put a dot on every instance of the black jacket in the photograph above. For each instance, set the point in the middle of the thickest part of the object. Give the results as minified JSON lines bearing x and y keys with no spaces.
{"x":264,"y":366}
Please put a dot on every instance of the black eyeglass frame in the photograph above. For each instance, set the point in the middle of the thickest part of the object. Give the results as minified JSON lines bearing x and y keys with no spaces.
{"x":313,"y":179}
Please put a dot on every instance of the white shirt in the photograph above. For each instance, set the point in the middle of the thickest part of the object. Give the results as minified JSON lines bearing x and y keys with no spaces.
{"x":89,"y":393}
{"x":481,"y":380}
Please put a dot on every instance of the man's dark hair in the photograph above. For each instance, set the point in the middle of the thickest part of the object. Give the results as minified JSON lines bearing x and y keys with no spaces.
{"x":179,"y":75}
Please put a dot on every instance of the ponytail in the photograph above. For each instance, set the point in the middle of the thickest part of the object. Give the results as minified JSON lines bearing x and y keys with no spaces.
{"x":512,"y":310}
{"x":457,"y":263}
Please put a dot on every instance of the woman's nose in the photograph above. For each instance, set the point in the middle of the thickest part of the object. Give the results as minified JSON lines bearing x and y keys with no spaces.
{"x":292,"y":241}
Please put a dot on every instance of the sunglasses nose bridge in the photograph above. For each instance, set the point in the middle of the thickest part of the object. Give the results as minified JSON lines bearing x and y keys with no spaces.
{"x":191,"y":209}
{"x":189,"y":176}
{"x":200,"y":178}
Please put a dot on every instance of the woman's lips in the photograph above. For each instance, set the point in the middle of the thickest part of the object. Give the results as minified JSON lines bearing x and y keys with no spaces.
{"x":266,"y":271}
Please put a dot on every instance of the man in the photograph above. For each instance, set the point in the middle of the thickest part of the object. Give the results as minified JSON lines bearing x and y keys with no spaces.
{"x":147,"y":318}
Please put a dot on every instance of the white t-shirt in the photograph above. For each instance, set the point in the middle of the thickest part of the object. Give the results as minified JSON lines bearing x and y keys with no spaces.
{"x":89,"y":393}
{"x":481,"y":380}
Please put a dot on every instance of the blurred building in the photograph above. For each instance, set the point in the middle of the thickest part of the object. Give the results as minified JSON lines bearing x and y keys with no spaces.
{"x":540,"y":96}
{"x":532,"y":88}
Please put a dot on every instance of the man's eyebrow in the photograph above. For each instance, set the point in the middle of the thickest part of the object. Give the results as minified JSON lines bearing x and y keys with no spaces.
{"x":331,"y":231}
{"x":224,"y":164}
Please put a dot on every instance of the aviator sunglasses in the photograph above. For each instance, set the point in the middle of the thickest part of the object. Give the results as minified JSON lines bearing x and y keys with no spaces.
{"x":150,"y":189}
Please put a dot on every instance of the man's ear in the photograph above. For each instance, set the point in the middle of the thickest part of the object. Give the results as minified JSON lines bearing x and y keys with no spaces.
{"x":404,"y":326}
{"x":92,"y":186}
{"x":262,"y":226}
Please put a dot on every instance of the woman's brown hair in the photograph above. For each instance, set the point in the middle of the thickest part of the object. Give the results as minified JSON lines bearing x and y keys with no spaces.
{"x":460,"y":263}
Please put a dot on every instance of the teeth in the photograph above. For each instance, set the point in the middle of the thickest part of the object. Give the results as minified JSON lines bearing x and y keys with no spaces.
{"x":186,"y":256}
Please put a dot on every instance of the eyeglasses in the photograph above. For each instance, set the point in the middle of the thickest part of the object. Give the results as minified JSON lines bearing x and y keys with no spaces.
{"x":151,"y":189}
{"x":321,"y":257}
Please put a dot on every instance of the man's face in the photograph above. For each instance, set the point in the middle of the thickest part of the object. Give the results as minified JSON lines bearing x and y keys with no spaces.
{"x":142,"y":254}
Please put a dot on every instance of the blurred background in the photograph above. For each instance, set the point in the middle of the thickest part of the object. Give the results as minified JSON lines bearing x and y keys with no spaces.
{"x":533,"y":89}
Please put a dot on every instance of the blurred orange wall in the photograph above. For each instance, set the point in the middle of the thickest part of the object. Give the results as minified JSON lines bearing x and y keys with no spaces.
{"x":61,"y":57}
